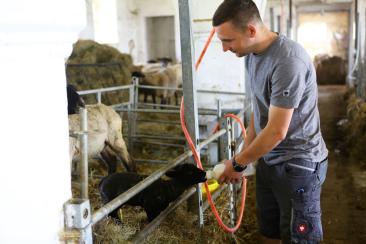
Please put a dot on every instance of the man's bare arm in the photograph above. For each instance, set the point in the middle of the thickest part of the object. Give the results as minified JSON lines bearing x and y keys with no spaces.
{"x":274,"y":132}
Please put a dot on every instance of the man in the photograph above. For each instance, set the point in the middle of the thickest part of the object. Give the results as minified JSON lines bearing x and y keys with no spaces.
{"x":284,"y":131}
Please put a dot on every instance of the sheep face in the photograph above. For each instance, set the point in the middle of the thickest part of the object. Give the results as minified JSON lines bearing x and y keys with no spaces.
{"x":187,"y":174}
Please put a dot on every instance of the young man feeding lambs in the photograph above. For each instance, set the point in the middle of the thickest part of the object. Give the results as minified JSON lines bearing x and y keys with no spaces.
{"x":156,"y":197}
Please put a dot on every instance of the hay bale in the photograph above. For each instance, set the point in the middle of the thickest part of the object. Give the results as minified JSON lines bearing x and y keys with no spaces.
{"x":92,"y":65}
{"x":355,"y":127}
{"x":330,"y":70}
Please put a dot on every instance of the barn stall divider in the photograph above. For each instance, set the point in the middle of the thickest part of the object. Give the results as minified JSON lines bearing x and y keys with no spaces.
{"x":133,"y":107}
{"x":81,"y":207}
{"x":192,"y":112}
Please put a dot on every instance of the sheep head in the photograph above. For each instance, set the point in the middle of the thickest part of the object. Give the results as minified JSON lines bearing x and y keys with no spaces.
{"x":187,"y":174}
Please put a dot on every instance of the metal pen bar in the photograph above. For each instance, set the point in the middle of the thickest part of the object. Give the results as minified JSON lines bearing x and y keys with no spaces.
{"x":175,"y":111}
{"x":124,"y":197}
{"x":141,"y":236}
{"x":84,"y":153}
{"x":116,"y":88}
{"x":99,"y":97}
{"x":158,"y":121}
{"x":118,"y":109}
{"x":159,"y":137}
{"x":160,"y":144}
{"x":158,"y":105}
{"x":151,"y":161}
{"x":116,"y":106}
{"x":159,"y":88}
{"x":222,"y":92}
{"x":107,"y":89}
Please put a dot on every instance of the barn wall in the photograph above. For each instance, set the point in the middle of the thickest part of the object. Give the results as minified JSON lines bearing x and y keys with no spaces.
{"x":35,"y":38}
{"x":218,"y":71}
{"x":132,"y":28}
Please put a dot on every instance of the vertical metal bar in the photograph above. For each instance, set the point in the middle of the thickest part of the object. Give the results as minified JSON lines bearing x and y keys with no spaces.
{"x":356,"y":23}
{"x":233,"y":187}
{"x":363,"y":94}
{"x":279,"y":24}
{"x":84,"y":153}
{"x":289,"y":30}
{"x":219,"y":115}
{"x":99,"y":97}
{"x":131,"y":117}
{"x":350,"y":46}
{"x":271,"y":18}
{"x":136,"y":83}
{"x":248,"y":96}
{"x":225,"y":153}
{"x":189,"y":89}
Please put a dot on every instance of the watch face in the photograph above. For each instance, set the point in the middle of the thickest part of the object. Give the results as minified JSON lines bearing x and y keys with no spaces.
{"x":238,"y":168}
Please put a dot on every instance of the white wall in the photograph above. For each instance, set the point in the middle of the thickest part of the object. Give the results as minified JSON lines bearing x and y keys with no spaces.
{"x":132,"y":27}
{"x":219,"y":71}
{"x":35,"y":38}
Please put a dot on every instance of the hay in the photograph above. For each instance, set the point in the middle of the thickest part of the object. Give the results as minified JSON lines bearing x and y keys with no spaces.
{"x":330,"y":70}
{"x":181,"y":226}
{"x":355,"y":127}
{"x":92,"y":65}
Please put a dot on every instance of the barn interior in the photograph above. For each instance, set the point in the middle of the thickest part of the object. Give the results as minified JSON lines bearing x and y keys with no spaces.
{"x":141,"y":58}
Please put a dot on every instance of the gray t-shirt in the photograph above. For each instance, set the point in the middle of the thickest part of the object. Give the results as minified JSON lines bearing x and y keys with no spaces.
{"x":284,"y":76}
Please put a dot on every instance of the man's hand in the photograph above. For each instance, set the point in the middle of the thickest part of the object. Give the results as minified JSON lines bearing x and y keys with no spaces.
{"x":230,"y":175}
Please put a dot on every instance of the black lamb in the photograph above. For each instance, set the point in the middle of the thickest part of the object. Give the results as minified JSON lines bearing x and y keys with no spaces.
{"x":145,"y":91}
{"x":156,"y":197}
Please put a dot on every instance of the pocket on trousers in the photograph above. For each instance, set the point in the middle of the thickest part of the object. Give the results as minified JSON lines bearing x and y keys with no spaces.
{"x":306,"y":218}
{"x":322,"y":172}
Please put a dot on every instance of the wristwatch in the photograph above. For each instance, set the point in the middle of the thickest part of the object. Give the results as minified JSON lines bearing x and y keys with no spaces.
{"x":238,"y":167}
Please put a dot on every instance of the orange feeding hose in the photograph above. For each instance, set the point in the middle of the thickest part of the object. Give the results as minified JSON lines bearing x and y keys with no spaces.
{"x":198,"y":160}
{"x":205,"y":48}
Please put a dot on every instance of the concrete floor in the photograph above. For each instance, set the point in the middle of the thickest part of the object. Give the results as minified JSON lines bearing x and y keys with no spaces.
{"x":344,"y":191}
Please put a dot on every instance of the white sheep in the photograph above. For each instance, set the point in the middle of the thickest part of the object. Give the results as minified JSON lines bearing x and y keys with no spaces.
{"x":157,"y":75}
{"x":104,"y":136}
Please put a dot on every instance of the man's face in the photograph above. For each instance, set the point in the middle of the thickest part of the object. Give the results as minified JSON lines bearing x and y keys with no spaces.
{"x":234,"y":40}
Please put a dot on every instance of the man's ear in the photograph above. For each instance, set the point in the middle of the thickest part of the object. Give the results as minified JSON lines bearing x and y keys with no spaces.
{"x":252,"y":30}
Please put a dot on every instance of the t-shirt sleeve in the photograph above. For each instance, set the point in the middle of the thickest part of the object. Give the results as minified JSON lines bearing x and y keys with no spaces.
{"x":288,"y":83}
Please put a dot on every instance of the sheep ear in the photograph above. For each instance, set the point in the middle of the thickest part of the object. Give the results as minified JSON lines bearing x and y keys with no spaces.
{"x":171,"y":173}
{"x":174,"y":171}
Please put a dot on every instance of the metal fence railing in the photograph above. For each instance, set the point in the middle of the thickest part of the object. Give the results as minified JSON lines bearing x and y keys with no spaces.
{"x":132,"y":107}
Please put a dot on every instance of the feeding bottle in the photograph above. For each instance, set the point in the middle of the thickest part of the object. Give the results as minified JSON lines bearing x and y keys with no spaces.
{"x":216,"y":172}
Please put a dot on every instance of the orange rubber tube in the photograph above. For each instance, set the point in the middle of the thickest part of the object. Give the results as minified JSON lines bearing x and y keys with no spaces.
{"x":205,"y":48}
{"x":198,"y":160}
{"x":199,"y":165}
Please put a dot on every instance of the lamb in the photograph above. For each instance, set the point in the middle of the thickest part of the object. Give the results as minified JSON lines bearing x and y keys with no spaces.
{"x":170,"y":76}
{"x":156,"y":197}
{"x":145,"y":91}
{"x":174,"y":73}
{"x":104,"y":136}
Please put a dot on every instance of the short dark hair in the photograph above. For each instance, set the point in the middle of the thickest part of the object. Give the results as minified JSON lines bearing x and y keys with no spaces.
{"x":239,"y":12}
